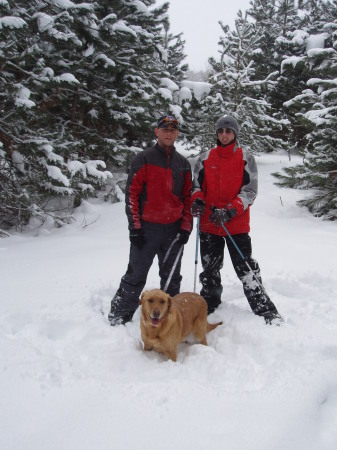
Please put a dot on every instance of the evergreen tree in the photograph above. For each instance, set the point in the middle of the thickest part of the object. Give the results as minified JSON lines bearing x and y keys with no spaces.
{"x":316,"y":109}
{"x":132,"y":38}
{"x":177,"y":71}
{"x":286,"y":16}
{"x":267,"y":61}
{"x":237,"y":90}
{"x":313,"y":14}
{"x":296,"y":23}
{"x":197,"y":131}
{"x":263,"y":12}
{"x":174,"y":45}
{"x":36,"y":152}
{"x":79,"y":87}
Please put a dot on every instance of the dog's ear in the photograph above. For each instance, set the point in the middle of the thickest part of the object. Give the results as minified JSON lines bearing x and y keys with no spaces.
{"x":140,"y":302}
{"x":169,"y":302}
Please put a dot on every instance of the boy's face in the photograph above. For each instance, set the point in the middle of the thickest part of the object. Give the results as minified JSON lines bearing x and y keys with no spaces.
{"x":225,"y":136}
{"x":166,"y":136}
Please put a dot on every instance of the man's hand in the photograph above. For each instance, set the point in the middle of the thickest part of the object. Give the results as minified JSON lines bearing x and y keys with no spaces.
{"x":137,"y":238}
{"x":198,"y":207}
{"x":183,"y":237}
{"x":222,"y":215}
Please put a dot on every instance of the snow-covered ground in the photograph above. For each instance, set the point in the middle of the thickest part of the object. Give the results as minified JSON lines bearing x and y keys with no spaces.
{"x":70,"y":381}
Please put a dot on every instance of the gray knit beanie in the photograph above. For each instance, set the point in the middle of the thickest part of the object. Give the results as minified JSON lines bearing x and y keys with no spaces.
{"x":228,"y":122}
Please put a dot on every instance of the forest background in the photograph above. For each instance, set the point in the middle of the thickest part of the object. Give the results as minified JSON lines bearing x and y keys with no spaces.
{"x":83,"y":84}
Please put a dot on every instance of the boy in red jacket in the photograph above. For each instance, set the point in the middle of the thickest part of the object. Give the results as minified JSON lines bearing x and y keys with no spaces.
{"x":224,"y":187}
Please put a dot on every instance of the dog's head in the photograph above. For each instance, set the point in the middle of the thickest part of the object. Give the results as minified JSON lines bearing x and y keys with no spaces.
{"x":156,"y":305}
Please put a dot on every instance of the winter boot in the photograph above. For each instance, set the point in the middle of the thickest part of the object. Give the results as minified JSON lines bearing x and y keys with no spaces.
{"x":212,"y":297}
{"x":273,"y":318}
{"x":212,"y":306}
{"x":256,"y":295}
{"x":118,"y":315}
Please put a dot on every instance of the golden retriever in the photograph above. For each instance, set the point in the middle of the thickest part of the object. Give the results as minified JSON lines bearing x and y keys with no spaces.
{"x":166,"y":321}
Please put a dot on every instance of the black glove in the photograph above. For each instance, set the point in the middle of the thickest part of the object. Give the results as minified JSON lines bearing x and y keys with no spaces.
{"x":222,"y":215}
{"x":183,"y":237}
{"x":198,"y":207}
{"x":137,"y":238}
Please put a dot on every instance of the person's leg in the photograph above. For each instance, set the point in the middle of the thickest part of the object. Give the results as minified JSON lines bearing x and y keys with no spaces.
{"x":255,"y":293}
{"x":125,"y":301}
{"x":212,"y":254}
{"x":169,"y":235}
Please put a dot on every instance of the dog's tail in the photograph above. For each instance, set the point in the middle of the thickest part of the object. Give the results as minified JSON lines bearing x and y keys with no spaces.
{"x":211,"y":326}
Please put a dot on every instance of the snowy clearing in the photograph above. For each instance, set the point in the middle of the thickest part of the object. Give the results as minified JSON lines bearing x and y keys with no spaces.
{"x":70,"y":381}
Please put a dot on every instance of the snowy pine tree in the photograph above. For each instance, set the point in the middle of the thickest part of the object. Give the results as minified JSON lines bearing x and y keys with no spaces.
{"x":238,"y":90}
{"x":80,"y":88}
{"x":174,"y":45}
{"x":268,"y":62}
{"x":316,"y":109}
{"x":38,"y":91}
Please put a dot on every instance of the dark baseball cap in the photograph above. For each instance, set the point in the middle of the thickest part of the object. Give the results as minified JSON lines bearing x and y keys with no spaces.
{"x":166,"y":121}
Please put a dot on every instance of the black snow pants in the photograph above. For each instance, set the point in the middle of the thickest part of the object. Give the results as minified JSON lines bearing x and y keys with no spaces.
{"x":212,"y":256}
{"x":157,"y":240}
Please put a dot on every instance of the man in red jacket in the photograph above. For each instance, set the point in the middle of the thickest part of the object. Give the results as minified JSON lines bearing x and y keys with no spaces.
{"x":224,"y":187}
{"x":157,"y":197}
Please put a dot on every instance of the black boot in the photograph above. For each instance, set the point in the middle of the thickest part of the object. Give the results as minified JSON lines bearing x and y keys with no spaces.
{"x":262,"y":306}
{"x":256,"y":295}
{"x":118,"y":315}
{"x":273,"y":318}
{"x":212,"y":297}
{"x":212,"y":306}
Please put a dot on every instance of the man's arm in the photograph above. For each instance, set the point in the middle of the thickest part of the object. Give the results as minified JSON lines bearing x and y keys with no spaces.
{"x":133,"y":191}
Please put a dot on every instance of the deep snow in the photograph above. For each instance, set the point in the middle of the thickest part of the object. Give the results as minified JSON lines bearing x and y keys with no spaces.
{"x":70,"y":381}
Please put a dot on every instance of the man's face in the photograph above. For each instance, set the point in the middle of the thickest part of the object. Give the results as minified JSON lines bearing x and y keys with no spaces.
{"x":166,"y":136}
{"x":225,"y":136}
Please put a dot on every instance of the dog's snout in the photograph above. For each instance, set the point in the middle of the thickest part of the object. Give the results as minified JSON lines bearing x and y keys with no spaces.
{"x":156,"y":314}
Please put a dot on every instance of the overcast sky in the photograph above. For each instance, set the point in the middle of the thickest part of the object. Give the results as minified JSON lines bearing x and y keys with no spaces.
{"x":198,"y":20}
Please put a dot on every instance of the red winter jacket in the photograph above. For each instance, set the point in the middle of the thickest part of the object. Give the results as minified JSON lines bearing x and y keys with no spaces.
{"x":221,"y":176}
{"x":158,"y":188}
